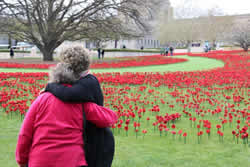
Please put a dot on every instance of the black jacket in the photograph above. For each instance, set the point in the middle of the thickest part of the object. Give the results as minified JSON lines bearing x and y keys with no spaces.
{"x":86,"y":89}
{"x":99,"y":151}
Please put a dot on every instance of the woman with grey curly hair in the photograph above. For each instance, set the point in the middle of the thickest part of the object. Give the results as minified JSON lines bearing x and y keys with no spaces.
{"x":77,"y":58}
{"x":63,"y":74}
{"x":101,"y":144}
{"x":51,"y":134}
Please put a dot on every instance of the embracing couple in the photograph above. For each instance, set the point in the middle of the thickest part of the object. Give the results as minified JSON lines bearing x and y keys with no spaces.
{"x":67,"y":125}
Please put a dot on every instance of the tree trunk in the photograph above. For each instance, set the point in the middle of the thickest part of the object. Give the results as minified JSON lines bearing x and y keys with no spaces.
{"x":9,"y":40}
{"x":214,"y":45}
{"x":48,"y":54}
{"x":245,"y":46}
{"x":189,"y":46}
{"x":48,"y":49}
{"x":116,"y":41}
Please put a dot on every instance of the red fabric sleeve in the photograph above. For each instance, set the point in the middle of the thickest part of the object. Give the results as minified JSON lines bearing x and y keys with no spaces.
{"x":100,"y":116}
{"x":25,"y":135}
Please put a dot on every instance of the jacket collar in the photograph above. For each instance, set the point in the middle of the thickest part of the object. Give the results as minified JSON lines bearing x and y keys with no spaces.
{"x":85,"y":73}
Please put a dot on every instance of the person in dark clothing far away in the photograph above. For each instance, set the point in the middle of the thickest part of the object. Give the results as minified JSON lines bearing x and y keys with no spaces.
{"x":166,"y":51}
{"x":11,"y":52}
{"x":171,"y":49}
{"x":99,"y":53}
{"x":103,"y":51}
{"x":86,"y":89}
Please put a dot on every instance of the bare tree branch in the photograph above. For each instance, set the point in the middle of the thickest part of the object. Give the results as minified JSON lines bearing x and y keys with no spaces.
{"x":240,"y":35}
{"x":47,"y":23}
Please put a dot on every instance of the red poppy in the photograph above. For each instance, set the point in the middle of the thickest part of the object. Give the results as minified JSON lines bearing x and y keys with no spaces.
{"x":173,"y":132}
{"x":218,"y":126}
{"x":119,"y":126}
{"x":166,"y":129}
{"x":126,"y":128}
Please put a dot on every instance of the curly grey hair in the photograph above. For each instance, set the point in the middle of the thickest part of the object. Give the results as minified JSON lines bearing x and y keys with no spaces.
{"x":62,"y":73}
{"x":77,"y":57}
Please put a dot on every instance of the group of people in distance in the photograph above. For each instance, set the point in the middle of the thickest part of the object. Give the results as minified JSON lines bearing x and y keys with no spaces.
{"x":100,"y":53}
{"x":165,"y":51}
{"x":52,"y":131}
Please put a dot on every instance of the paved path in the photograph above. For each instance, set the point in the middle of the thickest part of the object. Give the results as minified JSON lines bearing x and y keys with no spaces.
{"x":193,"y":64}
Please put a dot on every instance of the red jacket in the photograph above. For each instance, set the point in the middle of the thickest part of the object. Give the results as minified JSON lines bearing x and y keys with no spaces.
{"x":51,"y":133}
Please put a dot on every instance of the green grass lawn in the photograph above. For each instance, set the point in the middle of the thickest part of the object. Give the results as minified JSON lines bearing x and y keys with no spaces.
{"x":193,"y":64}
{"x":8,"y":139}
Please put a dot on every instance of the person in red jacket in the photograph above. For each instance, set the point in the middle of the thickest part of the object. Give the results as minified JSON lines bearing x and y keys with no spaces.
{"x":51,"y":133}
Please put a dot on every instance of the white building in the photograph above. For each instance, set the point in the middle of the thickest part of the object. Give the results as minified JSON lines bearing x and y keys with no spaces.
{"x":4,"y":40}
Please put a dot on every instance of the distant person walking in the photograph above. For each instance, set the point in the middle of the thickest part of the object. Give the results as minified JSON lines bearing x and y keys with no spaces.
{"x":99,"y":53}
{"x":171,"y":49}
{"x":166,"y":51}
{"x":11,"y":53}
{"x":103,"y":51}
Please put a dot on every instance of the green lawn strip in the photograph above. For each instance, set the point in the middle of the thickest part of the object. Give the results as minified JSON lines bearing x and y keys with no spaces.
{"x":22,"y":70}
{"x":160,"y":152}
{"x":193,"y":64}
{"x":8,"y":139}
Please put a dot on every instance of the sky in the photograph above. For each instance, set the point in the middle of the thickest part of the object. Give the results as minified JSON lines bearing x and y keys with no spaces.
{"x":228,"y":7}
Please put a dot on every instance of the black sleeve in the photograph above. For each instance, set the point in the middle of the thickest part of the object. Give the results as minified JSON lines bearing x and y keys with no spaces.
{"x":85,"y":90}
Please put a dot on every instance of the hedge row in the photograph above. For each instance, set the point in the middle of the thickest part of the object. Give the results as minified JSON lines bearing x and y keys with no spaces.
{"x":131,"y":50}
{"x":16,"y":51}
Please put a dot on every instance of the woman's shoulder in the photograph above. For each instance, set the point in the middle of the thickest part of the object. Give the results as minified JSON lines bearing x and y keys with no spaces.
{"x":42,"y":99}
{"x":44,"y":96}
{"x":88,"y":78}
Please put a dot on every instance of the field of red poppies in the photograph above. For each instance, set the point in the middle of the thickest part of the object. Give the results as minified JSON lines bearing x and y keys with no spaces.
{"x":213,"y":104}
{"x":196,"y":108}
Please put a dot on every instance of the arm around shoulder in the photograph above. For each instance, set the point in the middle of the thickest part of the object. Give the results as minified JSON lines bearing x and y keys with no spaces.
{"x":100,"y":116}
{"x":78,"y":92}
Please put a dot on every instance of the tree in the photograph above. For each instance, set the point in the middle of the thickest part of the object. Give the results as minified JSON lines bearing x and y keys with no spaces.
{"x":179,"y":31}
{"x":194,"y":24}
{"x":215,"y":26}
{"x":48,"y":23}
{"x":240,"y":35}
{"x":183,"y":28}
